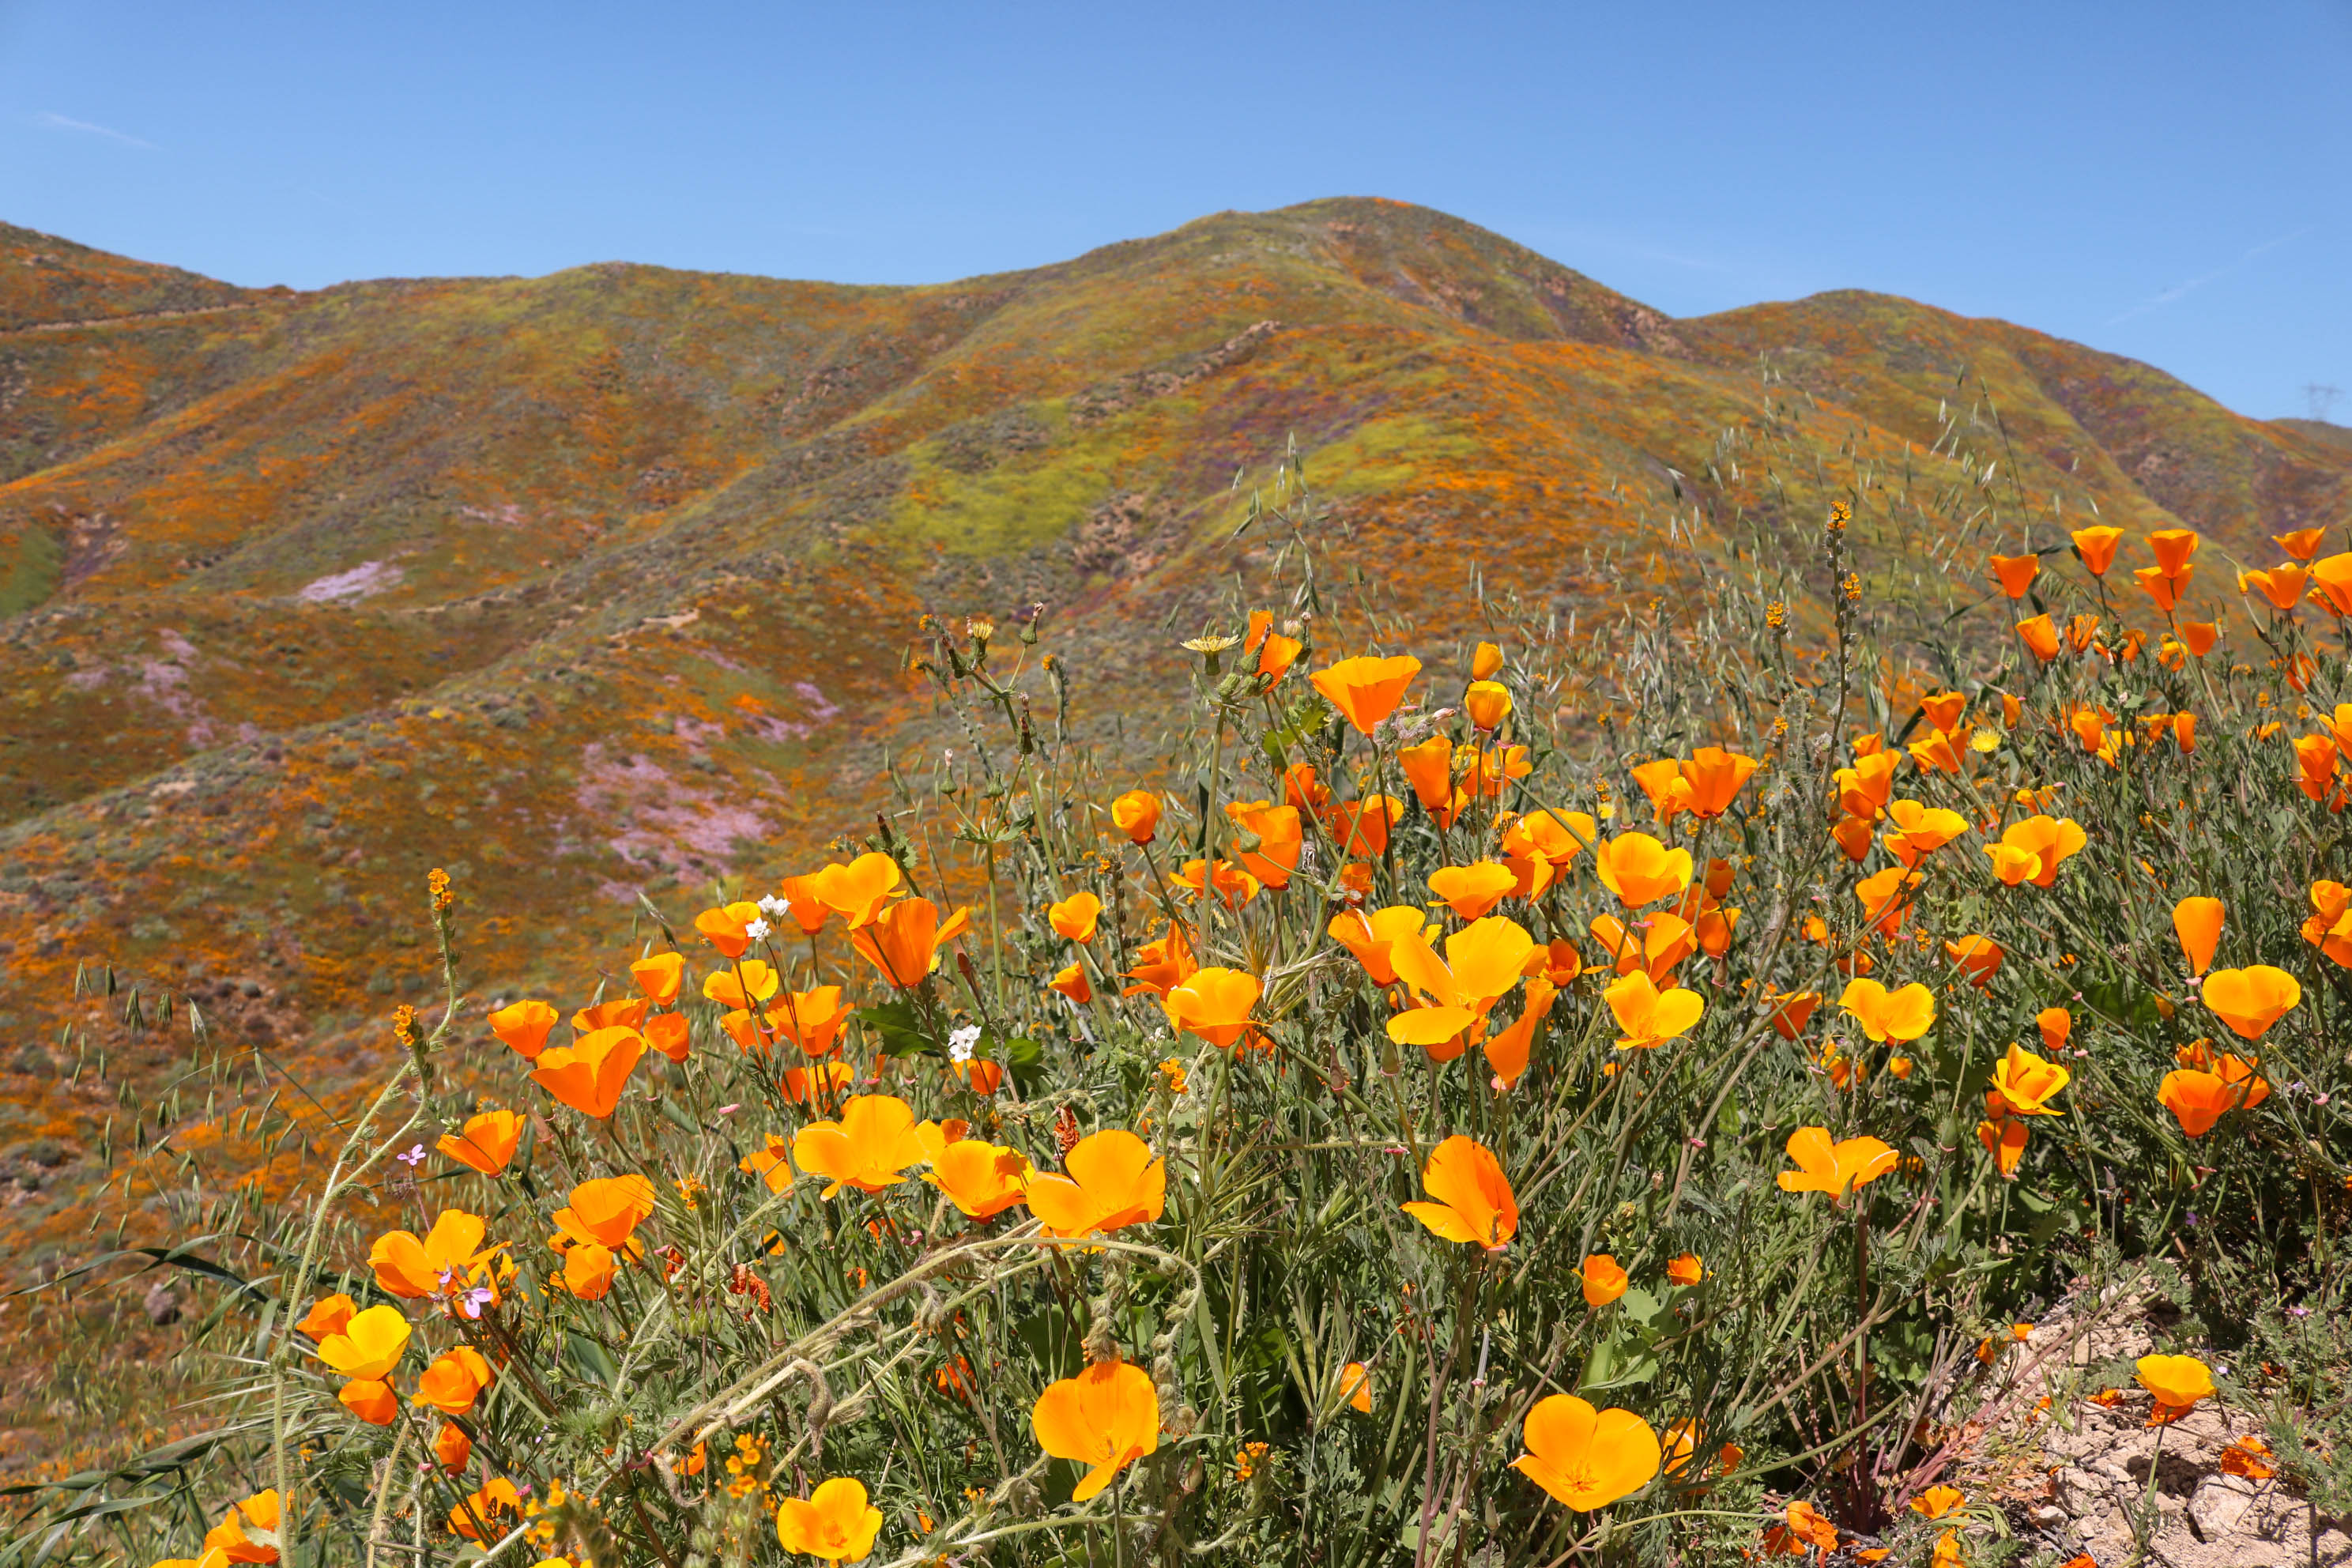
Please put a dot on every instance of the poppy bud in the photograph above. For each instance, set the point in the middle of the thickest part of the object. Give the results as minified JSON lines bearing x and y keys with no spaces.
{"x":1137,"y":813}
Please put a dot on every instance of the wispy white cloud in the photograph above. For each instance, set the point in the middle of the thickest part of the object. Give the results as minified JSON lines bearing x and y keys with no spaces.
{"x":2179,"y":291}
{"x":62,"y":122}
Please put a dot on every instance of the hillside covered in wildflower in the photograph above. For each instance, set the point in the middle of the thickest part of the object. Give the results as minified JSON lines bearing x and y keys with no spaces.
{"x":1303,"y":891}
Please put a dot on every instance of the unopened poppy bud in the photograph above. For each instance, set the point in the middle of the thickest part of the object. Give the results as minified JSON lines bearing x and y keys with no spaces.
{"x":1488,"y":702}
{"x":1136,"y":813}
{"x":1486,"y":662}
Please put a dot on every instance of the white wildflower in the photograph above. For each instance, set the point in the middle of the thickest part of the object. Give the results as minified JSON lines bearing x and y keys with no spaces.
{"x":961,"y":1042}
{"x":758,"y":931}
{"x":774,"y":907}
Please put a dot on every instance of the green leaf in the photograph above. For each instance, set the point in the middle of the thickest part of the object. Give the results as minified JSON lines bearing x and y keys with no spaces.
{"x":2125,"y":1001}
{"x":1622,"y":1360}
{"x":899,"y":1030}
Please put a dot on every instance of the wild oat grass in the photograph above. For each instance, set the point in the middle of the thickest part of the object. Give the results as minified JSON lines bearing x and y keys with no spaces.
{"x":1599,"y":1098}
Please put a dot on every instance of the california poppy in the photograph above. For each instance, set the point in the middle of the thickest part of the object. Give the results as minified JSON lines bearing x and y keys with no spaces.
{"x":1279,"y":835}
{"x":1471,"y":890}
{"x":982,"y":1179}
{"x":370,"y":1399}
{"x":2251,"y":1000}
{"x":859,"y":891}
{"x":327,"y":1316}
{"x":2303,"y":544}
{"x":1792,"y":1012}
{"x":2004,"y":1140}
{"x":1483,"y":961}
{"x":1113,"y":1181}
{"x":1106,"y":1419}
{"x":1473,"y":1197}
{"x":369,"y":1346}
{"x":618,"y":1013}
{"x":1356,"y":1386}
{"x":1137,"y":815}
{"x":1978,"y":957}
{"x":1886,"y":898}
{"x":523,"y":1026}
{"x":1361,"y":826}
{"x":1936,"y":1502}
{"x":658,"y":978}
{"x":452,"y":1448}
{"x":2282,"y":586}
{"x":1367,"y":690}
{"x":1485,"y":660}
{"x":1070,"y":980}
{"x":1234,"y":886}
{"x":834,"y":1523}
{"x":1555,"y":839}
{"x":2200,"y":1099}
{"x":1161,"y":966}
{"x":489,"y":1503}
{"x":2016,"y":572}
{"x":451,"y":1251}
{"x":2013,"y":866}
{"x":1604,"y":1280}
{"x":2041,"y":636}
{"x":729,"y":928}
{"x":1943,"y":710}
{"x":1899,"y":1015}
{"x":1715,"y":777}
{"x":457,"y":1378}
{"x":486,"y":1142}
{"x":2197,"y":921}
{"x":1862,"y":788}
{"x":903,"y":941}
{"x":869,"y":1148}
{"x":1074,"y":916}
{"x":589,"y":1075}
{"x":749,"y":981}
{"x":1837,"y":1168}
{"x":259,"y":1512}
{"x":2052,"y":839}
{"x":2177,"y":1382}
{"x":1369,"y":936}
{"x":1585,"y":1457}
{"x":1650,"y":1017}
{"x":1215,"y":1004}
{"x":1489,"y":704}
{"x":1920,"y":830}
{"x":606,"y":1211}
{"x":1663,"y":782}
{"x":1685,"y":1271}
{"x":2331,"y":582}
{"x":2096,"y":546}
{"x":2164,"y":587}
{"x":1640,"y":870}
{"x":2025,"y":1082}
{"x":1507,"y":1050}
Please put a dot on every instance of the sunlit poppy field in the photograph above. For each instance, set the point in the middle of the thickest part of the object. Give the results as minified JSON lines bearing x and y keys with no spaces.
{"x":1518,"y":1097}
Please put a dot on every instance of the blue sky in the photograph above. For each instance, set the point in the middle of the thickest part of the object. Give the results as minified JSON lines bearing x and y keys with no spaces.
{"x":2168,"y":181}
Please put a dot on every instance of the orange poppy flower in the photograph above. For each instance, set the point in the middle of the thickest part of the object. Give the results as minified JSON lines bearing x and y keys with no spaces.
{"x":486,"y":1142}
{"x":228,"y":1537}
{"x":903,"y":941}
{"x":1215,"y":1004}
{"x":1584,"y":1457}
{"x":1936,"y":755}
{"x":2041,"y":636}
{"x":1791,"y":1013}
{"x":859,"y":892}
{"x":456,"y":1379}
{"x":1471,"y":890}
{"x":523,"y":1026}
{"x":2248,"y":1457}
{"x":2052,"y":839}
{"x":1429,"y":769}
{"x":1489,"y":704}
{"x":1279,"y":836}
{"x":1656,"y":946}
{"x":1663,"y":782}
{"x":2302,"y":544}
{"x":1978,"y":957}
{"x":2004,"y":1140}
{"x":1649,"y":1016}
{"x":1277,"y":654}
{"x":1113,"y":1181}
{"x":327,"y":1316}
{"x":727,"y":928}
{"x":1715,"y":777}
{"x":1886,"y":898}
{"x":1685,"y":1271}
{"x":1369,"y":937}
{"x":1074,"y":916}
{"x":1362,"y":827}
{"x":2023,"y":1083}
{"x":369,"y":1346}
{"x":2331,"y":582}
{"x":1943,"y":710}
{"x":982,"y":1179}
{"x":1554,"y":840}
{"x":1854,"y":836}
{"x":658,"y":978}
{"x":811,"y":1019}
{"x":1485,"y":660}
{"x":1300,"y":788}
{"x":748,"y":982}
{"x":1604,"y":1280}
{"x":1837,"y":1168}
{"x":1106,"y":1419}
{"x":1557,"y":961}
{"x":1137,"y":815}
{"x":450,"y":1253}
{"x":2198,"y":922}
{"x":2251,"y":1000}
{"x":452,"y":1448}
{"x":2013,"y":866}
{"x":370,"y":1399}
{"x":1356,"y":1386}
{"x":1640,"y":870}
{"x":2016,"y":572}
{"x":1862,"y":788}
{"x":1367,"y":690}
{"x":2280,"y":586}
{"x":1483,"y":961}
{"x":869,"y":1148}
{"x":1508,"y":1051}
{"x":492,"y":1502}
{"x":1920,"y":830}
{"x":620,"y":1013}
{"x":1070,"y":980}
{"x":1473,"y":1197}
{"x":590,"y":1075}
{"x":2197,"y":1098}
{"x":1234,"y":886}
{"x":2177,"y":1382}
{"x":1900,"y":1017}
{"x":2096,"y":546}
{"x":1161,"y":966}
{"x":834,"y":1523}
{"x":2330,"y":929}
{"x":803,"y":905}
{"x":1937,"y":1503}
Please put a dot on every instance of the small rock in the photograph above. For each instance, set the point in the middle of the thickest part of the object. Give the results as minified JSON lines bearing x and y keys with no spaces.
{"x":2220,"y":1502}
{"x":2048,"y":1515}
{"x":161,"y":1304}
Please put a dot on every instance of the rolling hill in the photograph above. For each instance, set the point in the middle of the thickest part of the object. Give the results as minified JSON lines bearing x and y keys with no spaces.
{"x":598,"y":584}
